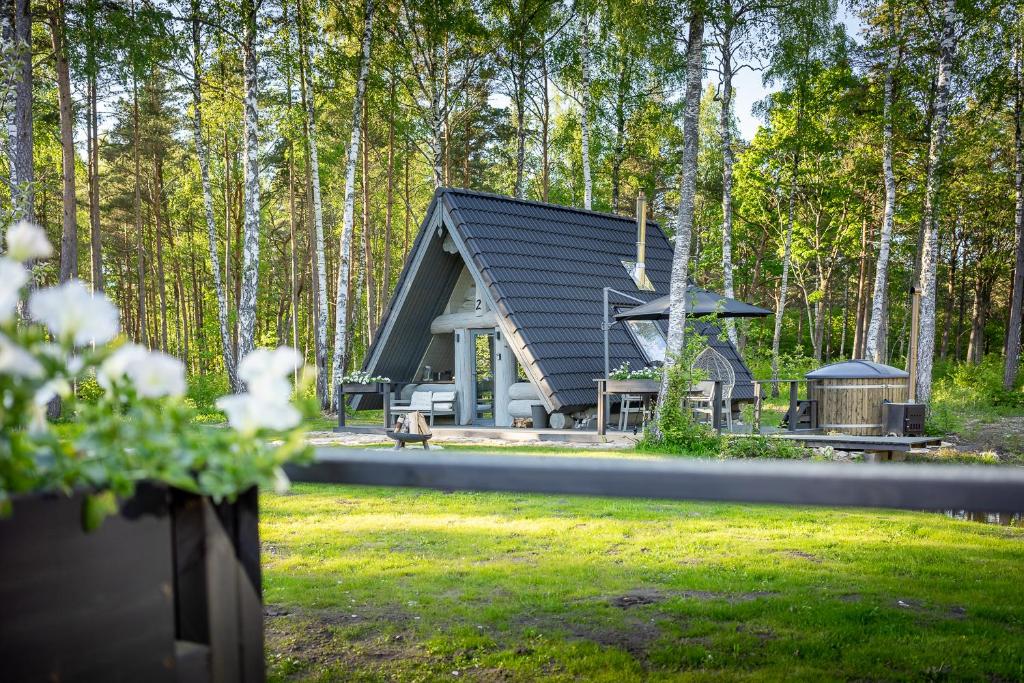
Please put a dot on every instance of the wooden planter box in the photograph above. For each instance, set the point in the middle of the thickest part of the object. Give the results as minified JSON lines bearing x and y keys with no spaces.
{"x":167,"y":590}
{"x":633,"y":386}
{"x":371,"y":388}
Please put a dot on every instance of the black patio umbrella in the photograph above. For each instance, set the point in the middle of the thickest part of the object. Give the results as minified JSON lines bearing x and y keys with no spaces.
{"x":700,"y":302}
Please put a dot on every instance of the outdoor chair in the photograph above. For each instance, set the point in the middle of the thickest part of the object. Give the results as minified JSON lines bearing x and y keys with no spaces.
{"x":701,"y":401}
{"x":716,"y":368}
{"x":431,"y":403}
{"x":632,"y":403}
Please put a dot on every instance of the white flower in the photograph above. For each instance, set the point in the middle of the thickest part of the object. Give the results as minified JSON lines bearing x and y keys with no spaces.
{"x":160,"y":375}
{"x":248,"y":413}
{"x":115,"y":367}
{"x":18,"y":362}
{"x":58,"y":386}
{"x":37,"y":422}
{"x":152,"y":373}
{"x":266,"y":372}
{"x":26,"y":241}
{"x":13,"y":277}
{"x":72,"y":312}
{"x":281,"y":481}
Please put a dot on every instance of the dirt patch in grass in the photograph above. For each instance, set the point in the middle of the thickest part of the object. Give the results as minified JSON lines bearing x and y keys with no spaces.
{"x":801,"y":555}
{"x":650,"y":596}
{"x":638,"y":597}
{"x":303,"y":638}
{"x":1003,"y":435}
{"x":636,"y":637}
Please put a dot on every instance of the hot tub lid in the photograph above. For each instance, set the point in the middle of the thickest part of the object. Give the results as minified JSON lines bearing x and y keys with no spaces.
{"x":856,"y":369}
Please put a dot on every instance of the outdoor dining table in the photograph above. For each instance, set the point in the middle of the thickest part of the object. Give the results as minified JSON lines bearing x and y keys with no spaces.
{"x":648,"y":390}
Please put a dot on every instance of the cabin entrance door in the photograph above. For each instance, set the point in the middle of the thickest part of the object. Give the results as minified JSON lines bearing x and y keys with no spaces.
{"x":482,"y":345}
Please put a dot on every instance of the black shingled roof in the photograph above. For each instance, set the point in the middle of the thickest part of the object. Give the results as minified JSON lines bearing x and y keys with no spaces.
{"x":545,"y":267}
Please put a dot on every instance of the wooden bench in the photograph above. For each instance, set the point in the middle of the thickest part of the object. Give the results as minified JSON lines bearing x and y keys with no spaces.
{"x":431,"y":403}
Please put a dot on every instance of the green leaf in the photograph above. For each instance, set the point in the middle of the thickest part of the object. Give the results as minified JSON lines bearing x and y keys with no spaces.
{"x":96,"y":508}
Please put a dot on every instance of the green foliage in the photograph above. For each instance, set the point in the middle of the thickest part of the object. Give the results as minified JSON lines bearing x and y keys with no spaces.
{"x":761,"y":446}
{"x":677,"y":431}
{"x":205,"y":388}
{"x":792,"y":365}
{"x":963,"y":390}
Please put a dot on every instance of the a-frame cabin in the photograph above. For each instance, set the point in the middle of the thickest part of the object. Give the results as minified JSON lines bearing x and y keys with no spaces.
{"x":501,"y":299}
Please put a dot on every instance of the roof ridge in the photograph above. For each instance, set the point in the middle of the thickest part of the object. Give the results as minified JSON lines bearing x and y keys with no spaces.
{"x":534,"y":202}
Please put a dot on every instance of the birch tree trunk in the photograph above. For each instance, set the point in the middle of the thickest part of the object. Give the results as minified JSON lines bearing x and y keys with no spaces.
{"x":545,"y":124}
{"x":8,"y":90}
{"x":787,"y":258}
{"x":687,"y":194}
{"x":69,"y":234}
{"x":437,"y":134}
{"x":1013,"y":345}
{"x":725,"y":130}
{"x":23,"y":198}
{"x":929,"y":247}
{"x":875,"y":348}
{"x":344,"y":262}
{"x":203,"y":153}
{"x":367,"y":233}
{"x":320,"y":262}
{"x":588,"y":192}
{"x":251,"y":209}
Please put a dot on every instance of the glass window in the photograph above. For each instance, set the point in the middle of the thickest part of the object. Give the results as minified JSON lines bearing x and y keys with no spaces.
{"x":649,"y":338}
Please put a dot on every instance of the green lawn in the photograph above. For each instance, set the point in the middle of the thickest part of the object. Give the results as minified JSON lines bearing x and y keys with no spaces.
{"x":389,"y":584}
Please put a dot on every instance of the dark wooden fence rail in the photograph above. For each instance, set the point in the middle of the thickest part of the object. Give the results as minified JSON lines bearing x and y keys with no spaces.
{"x":889,"y":485}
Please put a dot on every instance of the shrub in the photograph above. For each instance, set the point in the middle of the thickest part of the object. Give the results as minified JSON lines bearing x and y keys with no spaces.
{"x":678,"y":432}
{"x":204,"y":389}
{"x":960,"y":389}
{"x":760,"y":446}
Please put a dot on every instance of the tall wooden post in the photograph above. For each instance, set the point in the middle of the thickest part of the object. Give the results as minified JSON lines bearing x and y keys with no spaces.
{"x":915,"y":315}
{"x":465,"y":360}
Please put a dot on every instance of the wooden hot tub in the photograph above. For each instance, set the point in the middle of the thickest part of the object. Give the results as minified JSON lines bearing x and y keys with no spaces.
{"x":850,"y":395}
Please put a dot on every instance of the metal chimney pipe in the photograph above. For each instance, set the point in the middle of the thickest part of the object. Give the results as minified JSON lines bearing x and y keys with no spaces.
{"x":641,"y":235}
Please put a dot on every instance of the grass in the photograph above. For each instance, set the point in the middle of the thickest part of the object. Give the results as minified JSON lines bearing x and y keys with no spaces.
{"x":366,"y":584}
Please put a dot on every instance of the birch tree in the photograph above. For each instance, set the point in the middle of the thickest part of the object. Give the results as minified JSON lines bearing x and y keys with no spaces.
{"x":23,"y":159}
{"x":687,"y":194}
{"x":203,"y":155}
{"x":319,"y":258}
{"x":588,"y":189}
{"x":10,"y":70}
{"x":348,"y":219}
{"x":930,"y":244}
{"x":875,"y":345}
{"x":803,"y":36}
{"x":251,"y":209}
{"x":443,"y":42}
{"x":727,"y":26}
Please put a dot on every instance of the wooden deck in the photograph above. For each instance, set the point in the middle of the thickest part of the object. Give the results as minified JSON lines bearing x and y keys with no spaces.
{"x":846,"y":442}
{"x":514,"y":434}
